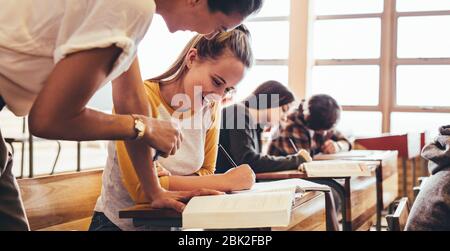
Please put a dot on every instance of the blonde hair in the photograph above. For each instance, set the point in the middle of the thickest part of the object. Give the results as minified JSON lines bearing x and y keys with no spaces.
{"x":236,"y":41}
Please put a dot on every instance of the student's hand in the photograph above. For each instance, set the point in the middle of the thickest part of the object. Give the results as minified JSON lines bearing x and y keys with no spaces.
{"x":240,"y":178}
{"x":178,"y":200}
{"x":305,"y":155}
{"x":164,"y":136}
{"x":330,"y":147}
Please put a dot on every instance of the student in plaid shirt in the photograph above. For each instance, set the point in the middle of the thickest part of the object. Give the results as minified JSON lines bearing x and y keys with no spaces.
{"x":311,"y":127}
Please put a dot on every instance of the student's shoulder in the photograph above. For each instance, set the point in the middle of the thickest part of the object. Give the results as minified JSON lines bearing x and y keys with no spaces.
{"x":151,"y":87}
{"x":153,"y":94}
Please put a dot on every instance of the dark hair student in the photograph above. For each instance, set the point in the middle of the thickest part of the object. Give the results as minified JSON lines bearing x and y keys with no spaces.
{"x":323,"y":112}
{"x":311,"y":127}
{"x":241,"y":7}
{"x":243,"y":124}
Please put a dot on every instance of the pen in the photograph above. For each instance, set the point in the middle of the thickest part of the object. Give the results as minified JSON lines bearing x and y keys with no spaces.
{"x":293,"y":145}
{"x":227,"y":155}
{"x":301,"y":153}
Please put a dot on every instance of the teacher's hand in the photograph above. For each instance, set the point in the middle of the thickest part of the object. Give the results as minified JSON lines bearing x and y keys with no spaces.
{"x":177,"y":200}
{"x":164,"y":136}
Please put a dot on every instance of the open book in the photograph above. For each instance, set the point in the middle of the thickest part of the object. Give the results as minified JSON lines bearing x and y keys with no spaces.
{"x":267,"y":204}
{"x":246,"y":210}
{"x":335,"y":168}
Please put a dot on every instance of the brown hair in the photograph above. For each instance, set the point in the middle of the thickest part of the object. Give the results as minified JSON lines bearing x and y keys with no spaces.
{"x":236,"y":41}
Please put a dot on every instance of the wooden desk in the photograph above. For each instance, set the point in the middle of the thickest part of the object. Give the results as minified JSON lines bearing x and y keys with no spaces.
{"x":386,"y":175}
{"x":342,"y":190}
{"x":308,"y":215}
{"x":407,"y":145}
{"x":354,"y":213}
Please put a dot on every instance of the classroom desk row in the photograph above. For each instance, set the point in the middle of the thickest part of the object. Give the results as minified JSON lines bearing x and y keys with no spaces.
{"x":362,"y":197}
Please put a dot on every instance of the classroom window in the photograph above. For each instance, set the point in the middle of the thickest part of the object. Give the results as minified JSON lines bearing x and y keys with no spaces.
{"x":405,"y":40}
{"x":424,"y":37}
{"x":422,"y":64}
{"x":422,"y":5}
{"x":423,"y":85}
{"x":418,"y":122}
{"x":336,"y":81}
{"x":361,"y":124}
{"x":333,"y":7}
{"x":347,"y":38}
{"x":270,"y":42}
{"x":270,"y":39}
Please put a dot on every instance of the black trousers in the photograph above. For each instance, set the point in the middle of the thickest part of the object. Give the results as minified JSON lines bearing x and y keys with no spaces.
{"x":101,"y":223}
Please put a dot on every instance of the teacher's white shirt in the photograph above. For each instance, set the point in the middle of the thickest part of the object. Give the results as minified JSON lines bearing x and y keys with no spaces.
{"x":36,"y":34}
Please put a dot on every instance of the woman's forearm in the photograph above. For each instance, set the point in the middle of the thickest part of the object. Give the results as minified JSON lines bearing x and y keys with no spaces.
{"x":86,"y":126}
{"x":59,"y":111}
{"x":129,"y":98}
{"x":190,"y":183}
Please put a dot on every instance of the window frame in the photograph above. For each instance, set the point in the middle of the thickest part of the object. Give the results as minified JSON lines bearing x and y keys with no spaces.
{"x":272,"y":61}
{"x":388,"y":61}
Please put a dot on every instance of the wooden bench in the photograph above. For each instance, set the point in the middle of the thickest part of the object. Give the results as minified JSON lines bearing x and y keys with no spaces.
{"x":62,"y":202}
{"x":397,"y":221}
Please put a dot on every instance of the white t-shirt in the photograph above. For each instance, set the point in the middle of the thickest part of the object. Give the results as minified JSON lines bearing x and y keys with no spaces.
{"x":36,"y":35}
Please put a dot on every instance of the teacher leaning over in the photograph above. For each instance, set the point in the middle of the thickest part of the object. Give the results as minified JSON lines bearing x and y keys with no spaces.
{"x":54,"y":56}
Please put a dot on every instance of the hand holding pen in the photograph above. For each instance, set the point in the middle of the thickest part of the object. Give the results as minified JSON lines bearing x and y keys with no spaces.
{"x":302,"y":153}
{"x":242,"y":176}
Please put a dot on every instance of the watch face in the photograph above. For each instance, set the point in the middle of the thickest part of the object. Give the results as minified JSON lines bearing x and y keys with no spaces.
{"x":140,"y":126}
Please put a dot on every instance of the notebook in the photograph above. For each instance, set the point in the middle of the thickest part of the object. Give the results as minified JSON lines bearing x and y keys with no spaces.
{"x":243,"y":210}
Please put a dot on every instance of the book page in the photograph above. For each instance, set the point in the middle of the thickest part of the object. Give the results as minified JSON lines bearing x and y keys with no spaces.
{"x":238,"y":202}
{"x":298,"y":185}
{"x":336,"y":168}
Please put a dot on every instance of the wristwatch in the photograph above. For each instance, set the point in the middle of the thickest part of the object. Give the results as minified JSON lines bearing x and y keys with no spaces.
{"x":139,"y":127}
